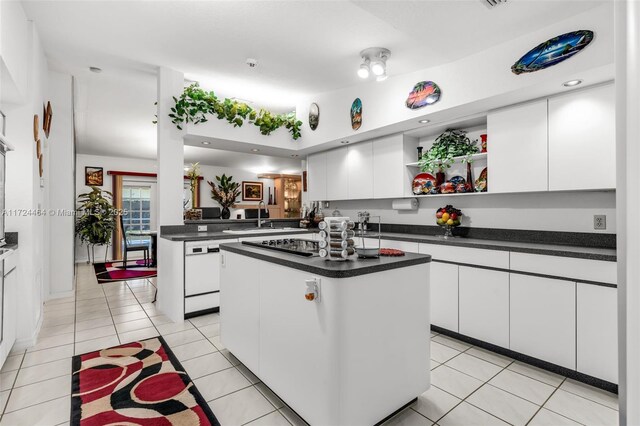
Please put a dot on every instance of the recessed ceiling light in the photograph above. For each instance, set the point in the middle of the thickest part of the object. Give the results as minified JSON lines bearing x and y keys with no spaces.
{"x":344,"y":142}
{"x":295,"y":155}
{"x":571,"y":83}
{"x":186,"y":169}
{"x":424,"y":121}
{"x":205,"y":143}
{"x":95,"y":69}
{"x":255,"y":150}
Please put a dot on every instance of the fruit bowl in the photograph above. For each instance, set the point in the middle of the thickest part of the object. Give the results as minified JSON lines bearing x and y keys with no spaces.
{"x":448,"y":217}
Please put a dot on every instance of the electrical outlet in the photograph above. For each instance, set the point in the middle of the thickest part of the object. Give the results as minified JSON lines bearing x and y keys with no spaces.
{"x":202,"y":228}
{"x":599,"y":221}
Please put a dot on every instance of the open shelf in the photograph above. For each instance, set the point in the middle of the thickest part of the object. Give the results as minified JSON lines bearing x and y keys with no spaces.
{"x":474,"y":157}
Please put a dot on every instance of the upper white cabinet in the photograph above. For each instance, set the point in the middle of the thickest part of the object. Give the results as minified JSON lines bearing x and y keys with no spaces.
{"x":517,"y":146}
{"x":360,"y":170}
{"x":582,"y":140}
{"x":317,"y":176}
{"x":597,"y":331}
{"x":337,"y":174}
{"x":543,"y":318}
{"x":389,"y":159}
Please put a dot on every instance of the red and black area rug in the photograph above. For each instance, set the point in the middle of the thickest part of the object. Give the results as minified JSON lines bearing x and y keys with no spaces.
{"x":139,"y":383}
{"x":115,"y":271}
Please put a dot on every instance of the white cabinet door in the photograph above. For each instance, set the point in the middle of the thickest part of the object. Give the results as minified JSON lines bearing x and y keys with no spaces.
{"x":484,"y":304}
{"x":543,"y":319}
{"x":388,"y":167}
{"x":337,"y":174}
{"x":517,"y":148}
{"x":597,"y":310}
{"x":582,"y":139}
{"x":240,"y":308}
{"x":444,"y":295}
{"x":360,"y":171}
{"x":317,"y":176}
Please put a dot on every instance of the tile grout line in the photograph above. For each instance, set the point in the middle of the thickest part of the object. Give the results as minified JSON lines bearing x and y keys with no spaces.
{"x":547,"y":400}
{"x":110,"y":314}
{"x":12,"y":385}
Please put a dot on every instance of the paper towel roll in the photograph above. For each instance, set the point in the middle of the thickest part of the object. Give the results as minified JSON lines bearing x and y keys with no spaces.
{"x":405,"y":204}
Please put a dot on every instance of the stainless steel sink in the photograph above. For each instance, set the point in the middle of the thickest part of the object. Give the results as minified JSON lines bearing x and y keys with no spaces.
{"x":262,"y":230}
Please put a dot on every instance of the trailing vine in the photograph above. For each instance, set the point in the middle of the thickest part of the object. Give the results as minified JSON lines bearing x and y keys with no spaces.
{"x":452,"y":143}
{"x":195,"y":104}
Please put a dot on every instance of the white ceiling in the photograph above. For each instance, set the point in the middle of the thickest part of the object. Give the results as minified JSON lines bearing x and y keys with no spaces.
{"x":302,"y":47}
{"x":245,"y":161}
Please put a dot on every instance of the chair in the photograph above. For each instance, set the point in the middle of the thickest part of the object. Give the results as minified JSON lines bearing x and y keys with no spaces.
{"x":129,"y":246}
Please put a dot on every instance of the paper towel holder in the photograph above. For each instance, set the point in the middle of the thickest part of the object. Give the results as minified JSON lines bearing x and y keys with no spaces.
{"x":405,"y":204}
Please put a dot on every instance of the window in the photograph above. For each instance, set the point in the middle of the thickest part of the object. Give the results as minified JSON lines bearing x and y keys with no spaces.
{"x":136,"y":202}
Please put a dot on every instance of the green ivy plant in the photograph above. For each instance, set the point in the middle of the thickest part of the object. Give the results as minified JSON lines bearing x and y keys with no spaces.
{"x":452,"y":143}
{"x":195,"y":104}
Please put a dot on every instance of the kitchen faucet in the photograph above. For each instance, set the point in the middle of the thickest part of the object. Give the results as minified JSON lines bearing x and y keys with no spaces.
{"x":261,"y":203}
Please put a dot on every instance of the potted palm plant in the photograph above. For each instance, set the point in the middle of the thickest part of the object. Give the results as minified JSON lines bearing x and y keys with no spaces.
{"x":96,"y":220}
{"x":225,"y":192}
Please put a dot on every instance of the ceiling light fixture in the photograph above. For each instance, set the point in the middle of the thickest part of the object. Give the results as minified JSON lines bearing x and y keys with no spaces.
{"x":205,"y":143}
{"x":424,"y":121}
{"x":344,"y":142}
{"x":374,"y":61}
{"x":255,"y":150}
{"x":571,"y":83}
{"x":186,"y":169}
{"x":95,"y":69}
{"x":295,"y":155}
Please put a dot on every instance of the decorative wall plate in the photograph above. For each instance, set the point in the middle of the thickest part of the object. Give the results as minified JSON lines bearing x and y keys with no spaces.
{"x":314,"y":116}
{"x":47,"y":120}
{"x":481,"y":182}
{"x":423,"y":93}
{"x":423,"y":183}
{"x":40,"y":164}
{"x":553,"y":51}
{"x":36,"y":127}
{"x":38,"y":148}
{"x":356,"y":114}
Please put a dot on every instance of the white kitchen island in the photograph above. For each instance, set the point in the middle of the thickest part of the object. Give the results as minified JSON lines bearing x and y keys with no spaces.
{"x":354,"y":355}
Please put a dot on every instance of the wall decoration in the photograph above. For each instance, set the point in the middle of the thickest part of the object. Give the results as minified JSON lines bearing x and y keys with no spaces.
{"x":38,"y":148}
{"x":424,"y":93}
{"x":46,"y":125}
{"x":314,"y":116}
{"x":553,"y":51}
{"x":481,"y":182}
{"x":194,"y":104}
{"x":423,"y":183}
{"x":40,"y":164}
{"x":304,"y":181}
{"x":36,"y":127}
{"x":93,"y":176}
{"x":251,"y":191}
{"x":356,"y":114}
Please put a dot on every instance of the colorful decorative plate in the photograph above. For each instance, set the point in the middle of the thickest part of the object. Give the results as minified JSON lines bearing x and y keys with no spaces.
{"x":314,"y":116}
{"x":424,"y":93}
{"x":356,"y":114}
{"x":36,"y":126}
{"x":423,"y":183}
{"x":481,"y":182}
{"x":553,"y":51}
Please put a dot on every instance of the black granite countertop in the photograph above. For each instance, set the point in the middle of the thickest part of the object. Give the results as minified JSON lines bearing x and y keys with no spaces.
{"x":233,"y":221}
{"x":219,"y":235}
{"x":317,"y":265}
{"x":521,"y":247}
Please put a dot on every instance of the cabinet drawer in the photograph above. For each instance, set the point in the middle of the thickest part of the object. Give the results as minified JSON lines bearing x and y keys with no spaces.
{"x":200,"y":303}
{"x":10,"y":263}
{"x":565,"y":267}
{"x":471,"y":256}
{"x":444,"y":295}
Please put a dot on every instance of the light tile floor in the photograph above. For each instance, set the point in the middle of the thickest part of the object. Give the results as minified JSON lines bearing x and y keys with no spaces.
{"x":470,"y":385}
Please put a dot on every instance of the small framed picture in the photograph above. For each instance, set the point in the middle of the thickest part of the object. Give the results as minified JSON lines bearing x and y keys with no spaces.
{"x":93,"y":176}
{"x":251,"y":191}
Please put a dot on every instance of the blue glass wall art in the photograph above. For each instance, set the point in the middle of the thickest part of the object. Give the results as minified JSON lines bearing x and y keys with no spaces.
{"x":553,"y":51}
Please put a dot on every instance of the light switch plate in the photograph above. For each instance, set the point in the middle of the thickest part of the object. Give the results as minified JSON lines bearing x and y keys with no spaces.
{"x":202,"y":228}
{"x":599,"y":221}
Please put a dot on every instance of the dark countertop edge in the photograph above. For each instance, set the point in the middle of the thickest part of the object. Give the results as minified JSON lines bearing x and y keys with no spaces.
{"x":223,"y":221}
{"x":460,"y":242}
{"x":400,"y":263}
{"x":219,"y":235}
{"x":10,"y":246}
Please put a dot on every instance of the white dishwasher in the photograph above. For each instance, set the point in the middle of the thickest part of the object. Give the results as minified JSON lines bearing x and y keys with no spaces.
{"x":202,"y":277}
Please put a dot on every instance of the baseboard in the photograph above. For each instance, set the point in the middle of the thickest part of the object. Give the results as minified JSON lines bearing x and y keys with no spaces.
{"x":545,"y":365}
{"x":22,"y":344}
{"x":62,"y":295}
{"x":202,"y":312}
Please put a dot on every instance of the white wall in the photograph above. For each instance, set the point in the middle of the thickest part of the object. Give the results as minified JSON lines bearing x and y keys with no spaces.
{"x":561,"y":211}
{"x":23,"y":184}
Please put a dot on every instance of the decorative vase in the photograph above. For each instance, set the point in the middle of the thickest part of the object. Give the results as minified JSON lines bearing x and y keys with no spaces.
{"x":469,"y":183}
{"x":226,"y":213}
{"x":439,"y":178}
{"x":483,"y":142}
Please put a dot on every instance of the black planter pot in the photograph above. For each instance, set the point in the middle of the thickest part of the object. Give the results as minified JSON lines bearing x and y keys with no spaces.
{"x":226,"y":213}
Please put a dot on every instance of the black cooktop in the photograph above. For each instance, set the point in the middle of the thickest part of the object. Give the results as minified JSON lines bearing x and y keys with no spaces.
{"x":288,"y":245}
